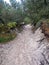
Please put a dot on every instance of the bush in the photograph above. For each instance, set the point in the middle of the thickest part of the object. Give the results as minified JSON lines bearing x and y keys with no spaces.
{"x":5,"y":34}
{"x":7,"y":37}
{"x":3,"y":28}
{"x":36,"y":18}
{"x":39,"y":23}
{"x":7,"y":27}
{"x":27,"y":20}
{"x":44,"y":13}
{"x":11,"y":24}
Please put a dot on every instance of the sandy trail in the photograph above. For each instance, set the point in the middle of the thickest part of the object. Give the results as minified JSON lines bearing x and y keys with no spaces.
{"x":24,"y":50}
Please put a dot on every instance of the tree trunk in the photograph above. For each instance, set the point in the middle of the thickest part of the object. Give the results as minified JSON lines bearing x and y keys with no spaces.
{"x":45,"y":2}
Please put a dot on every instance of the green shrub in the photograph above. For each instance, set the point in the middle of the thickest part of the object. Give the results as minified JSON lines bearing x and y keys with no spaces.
{"x":27,"y":20}
{"x":7,"y":37}
{"x":39,"y":23}
{"x":6,"y":27}
{"x":1,"y":26}
{"x":11,"y":24}
{"x":36,"y":18}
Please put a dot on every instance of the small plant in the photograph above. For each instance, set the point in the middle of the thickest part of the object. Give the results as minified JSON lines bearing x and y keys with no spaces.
{"x":11,"y":24}
{"x":7,"y":37}
{"x":27,"y":20}
{"x":5,"y":34}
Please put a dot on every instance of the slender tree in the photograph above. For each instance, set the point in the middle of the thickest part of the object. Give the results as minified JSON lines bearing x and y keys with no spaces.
{"x":45,"y":2}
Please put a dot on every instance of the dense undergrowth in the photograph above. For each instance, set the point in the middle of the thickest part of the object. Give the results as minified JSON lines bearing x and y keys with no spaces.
{"x":7,"y":32}
{"x":15,"y":15}
{"x":6,"y":37}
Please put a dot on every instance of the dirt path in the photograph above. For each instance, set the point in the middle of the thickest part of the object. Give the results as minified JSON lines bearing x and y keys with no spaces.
{"x":24,"y":50}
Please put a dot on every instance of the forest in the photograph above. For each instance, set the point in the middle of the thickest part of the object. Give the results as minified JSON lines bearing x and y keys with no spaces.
{"x":24,"y":32}
{"x":17,"y":14}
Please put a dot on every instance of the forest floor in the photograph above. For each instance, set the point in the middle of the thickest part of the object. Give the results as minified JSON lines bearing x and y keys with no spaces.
{"x":27,"y":48}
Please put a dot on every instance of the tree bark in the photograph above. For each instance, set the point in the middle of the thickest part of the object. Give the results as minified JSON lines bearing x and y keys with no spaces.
{"x":45,"y":2}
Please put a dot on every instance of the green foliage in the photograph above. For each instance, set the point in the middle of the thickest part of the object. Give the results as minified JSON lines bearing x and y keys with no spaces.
{"x":1,"y":26}
{"x":11,"y":24}
{"x":7,"y":37}
{"x":28,"y":11}
{"x":7,"y":27}
{"x":38,"y":24}
{"x":36,"y":18}
{"x":34,"y":10}
{"x":37,"y":9}
{"x":4,"y":29}
{"x":27,"y":20}
{"x":47,"y":20}
{"x":5,"y":34}
{"x":13,"y":3}
{"x":44,"y":13}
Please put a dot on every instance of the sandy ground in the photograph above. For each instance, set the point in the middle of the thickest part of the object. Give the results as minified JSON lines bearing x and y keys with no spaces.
{"x":25,"y":49}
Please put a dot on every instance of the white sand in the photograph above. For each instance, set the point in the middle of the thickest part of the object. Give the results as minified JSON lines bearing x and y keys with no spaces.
{"x":24,"y":49}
